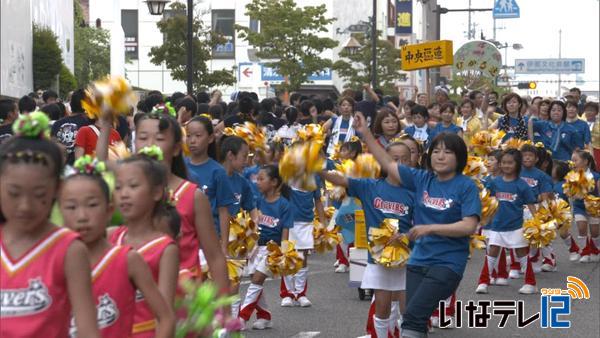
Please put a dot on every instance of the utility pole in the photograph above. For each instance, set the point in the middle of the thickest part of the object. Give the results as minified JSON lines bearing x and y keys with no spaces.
{"x":559,"y":56}
{"x":374,"y":46}
{"x":469,"y":29}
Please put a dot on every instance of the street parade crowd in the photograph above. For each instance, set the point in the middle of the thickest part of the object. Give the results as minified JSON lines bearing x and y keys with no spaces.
{"x":139,"y":217}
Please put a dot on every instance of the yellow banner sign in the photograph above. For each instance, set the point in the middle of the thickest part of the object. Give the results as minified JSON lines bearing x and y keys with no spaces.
{"x":427,"y":55}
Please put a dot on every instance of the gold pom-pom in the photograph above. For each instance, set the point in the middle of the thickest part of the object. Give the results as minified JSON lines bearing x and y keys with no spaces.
{"x":243,"y":235}
{"x":477,"y":242}
{"x":325,"y":238}
{"x":252,"y":134}
{"x":592,"y":205}
{"x":489,"y":206}
{"x":486,"y":141}
{"x":578,"y":184}
{"x":388,"y":253}
{"x":515,"y":143}
{"x":365,"y":166}
{"x":475,"y":167}
{"x":112,"y":94}
{"x":303,"y":160}
{"x":539,"y":233}
{"x":284,"y":260}
{"x":311,"y":132}
{"x":118,"y":151}
{"x":234,"y":270}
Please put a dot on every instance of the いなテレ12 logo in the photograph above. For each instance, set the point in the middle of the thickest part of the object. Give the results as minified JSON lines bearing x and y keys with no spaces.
{"x":557,"y":302}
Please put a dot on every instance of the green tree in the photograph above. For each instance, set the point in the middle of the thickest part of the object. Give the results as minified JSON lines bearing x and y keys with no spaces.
{"x":288,"y":36}
{"x":67,"y":81}
{"x":92,"y":49}
{"x":47,"y":57}
{"x":173,"y":50}
{"x":355,"y":67}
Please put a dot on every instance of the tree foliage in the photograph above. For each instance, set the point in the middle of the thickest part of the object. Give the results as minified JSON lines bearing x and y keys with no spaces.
{"x":173,"y":50}
{"x":289,"y":37}
{"x":47,"y":57}
{"x":356,"y":67}
{"x":92,"y":49}
{"x":67,"y":81}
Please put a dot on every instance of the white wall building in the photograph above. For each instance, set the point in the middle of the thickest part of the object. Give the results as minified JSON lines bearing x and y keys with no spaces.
{"x":141,"y":33}
{"x":16,"y":18}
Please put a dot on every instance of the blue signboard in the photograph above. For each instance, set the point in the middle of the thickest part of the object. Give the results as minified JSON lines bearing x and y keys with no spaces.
{"x":404,"y":16}
{"x":506,"y":9}
{"x":549,"y":66}
{"x":270,"y":74}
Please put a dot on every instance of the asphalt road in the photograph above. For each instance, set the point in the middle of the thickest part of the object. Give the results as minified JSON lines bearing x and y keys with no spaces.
{"x":337,"y":311}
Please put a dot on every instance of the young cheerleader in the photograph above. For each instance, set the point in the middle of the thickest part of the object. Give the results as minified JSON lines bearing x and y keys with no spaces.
{"x":506,"y":229}
{"x":420,"y":129}
{"x":446,"y":212}
{"x":541,"y":183}
{"x":208,"y":174}
{"x":234,"y":154}
{"x":340,"y":128}
{"x":161,"y":130}
{"x":303,"y":204}
{"x":416,"y":150}
{"x":381,"y":199}
{"x":492,"y":165}
{"x":117,"y":271}
{"x":139,"y":193}
{"x":274,"y":221}
{"x":582,"y":160}
{"x":446,"y":125}
{"x":45,"y":272}
{"x":387,"y":126}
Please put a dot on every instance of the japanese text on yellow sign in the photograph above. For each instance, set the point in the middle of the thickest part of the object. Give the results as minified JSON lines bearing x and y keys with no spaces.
{"x":427,"y":55}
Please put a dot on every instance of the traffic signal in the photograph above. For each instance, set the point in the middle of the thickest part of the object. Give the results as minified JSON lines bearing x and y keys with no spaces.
{"x":527,"y":85}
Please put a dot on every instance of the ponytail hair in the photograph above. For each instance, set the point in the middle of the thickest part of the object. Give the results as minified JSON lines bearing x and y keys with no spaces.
{"x":272,"y":171}
{"x":587,"y":157}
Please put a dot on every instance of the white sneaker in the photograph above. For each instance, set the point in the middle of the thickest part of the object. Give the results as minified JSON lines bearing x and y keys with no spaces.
{"x":528,"y":289}
{"x":304,"y":302}
{"x":548,"y":267}
{"x":492,"y":281}
{"x":342,"y":268}
{"x":337,"y":263}
{"x":595,"y":258}
{"x":585,"y":259}
{"x":261,"y":324}
{"x":482,"y":288}
{"x":287,"y":302}
{"x":514,"y":274}
{"x":435,"y":321}
{"x":574,"y":256}
{"x":501,"y":281}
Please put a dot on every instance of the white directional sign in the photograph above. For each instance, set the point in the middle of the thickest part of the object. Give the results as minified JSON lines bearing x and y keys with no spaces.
{"x":549,"y":66}
{"x":506,"y":9}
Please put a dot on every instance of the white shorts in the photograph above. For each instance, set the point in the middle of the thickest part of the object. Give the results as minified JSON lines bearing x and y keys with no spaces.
{"x":589,"y":219}
{"x":507,"y":239}
{"x":258,"y":261}
{"x":377,"y":277}
{"x":302,"y":235}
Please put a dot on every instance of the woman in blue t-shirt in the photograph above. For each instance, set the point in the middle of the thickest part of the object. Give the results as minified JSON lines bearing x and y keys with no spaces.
{"x":383,"y":199}
{"x":506,"y":229}
{"x":583,"y":160}
{"x":558,"y":136}
{"x":274,"y":222}
{"x":447,"y":210}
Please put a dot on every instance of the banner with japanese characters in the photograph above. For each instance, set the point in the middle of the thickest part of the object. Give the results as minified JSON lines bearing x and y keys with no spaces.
{"x":404,"y":16}
{"x":426,"y":55}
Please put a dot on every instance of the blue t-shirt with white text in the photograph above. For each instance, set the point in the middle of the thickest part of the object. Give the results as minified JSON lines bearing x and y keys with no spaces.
{"x":244,"y":197}
{"x":273,"y":218}
{"x":511,"y":196}
{"x":538,"y":180}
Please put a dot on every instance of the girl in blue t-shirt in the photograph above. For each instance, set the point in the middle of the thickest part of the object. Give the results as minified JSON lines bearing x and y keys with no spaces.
{"x":274,"y":222}
{"x":383,"y":198}
{"x":447,"y":210}
{"x":208,"y":174}
{"x":559,"y":171}
{"x":234,"y":154}
{"x":506,"y":229}
{"x":583,"y":160}
{"x":420,"y":129}
{"x":583,"y":136}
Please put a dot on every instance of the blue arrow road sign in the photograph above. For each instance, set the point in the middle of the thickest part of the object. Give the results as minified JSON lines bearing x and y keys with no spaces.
{"x":506,"y":9}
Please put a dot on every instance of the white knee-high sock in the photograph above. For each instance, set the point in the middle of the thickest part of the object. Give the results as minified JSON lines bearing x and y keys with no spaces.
{"x":491,"y":264}
{"x":250,"y":301}
{"x":596,"y":241}
{"x":523,"y":261}
{"x":394,"y":315}
{"x":567,"y":240}
{"x":381,"y":326}
{"x":300,"y":281}
{"x":235,"y":308}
